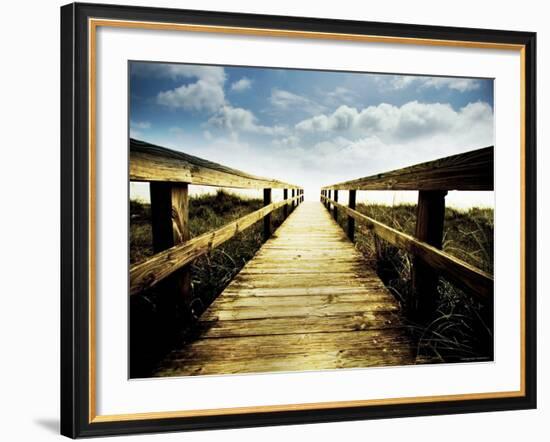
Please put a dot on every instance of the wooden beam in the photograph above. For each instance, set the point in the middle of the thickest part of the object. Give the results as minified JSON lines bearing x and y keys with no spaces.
{"x":285,"y":208}
{"x":467,"y":171}
{"x":267,"y":217}
{"x":170,"y":227}
{"x":351,"y":221}
{"x":464,"y":275}
{"x":154,"y":163}
{"x":150,"y":272}
{"x":430,"y":220}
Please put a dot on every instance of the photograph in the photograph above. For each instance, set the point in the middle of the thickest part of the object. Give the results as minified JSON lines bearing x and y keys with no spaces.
{"x":287,"y":220}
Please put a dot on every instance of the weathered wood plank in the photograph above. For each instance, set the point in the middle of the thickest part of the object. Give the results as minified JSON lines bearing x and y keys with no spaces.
{"x":300,"y":324}
{"x":154,"y":163}
{"x":467,"y":171}
{"x":308,"y":351}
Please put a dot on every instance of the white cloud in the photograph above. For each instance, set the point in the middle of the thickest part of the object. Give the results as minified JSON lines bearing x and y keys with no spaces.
{"x":140,"y":124}
{"x":202,"y":95}
{"x":206,"y":94}
{"x":285,"y":100}
{"x":413,"y":120}
{"x":290,"y":141}
{"x":399,"y":82}
{"x":214,"y":74}
{"x":137,"y":128}
{"x":241,"y":85}
{"x":338,"y":96}
{"x":236,"y":119}
{"x":459,"y":84}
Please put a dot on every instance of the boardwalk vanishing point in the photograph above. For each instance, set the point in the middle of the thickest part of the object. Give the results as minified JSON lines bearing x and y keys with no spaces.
{"x":306,"y":301}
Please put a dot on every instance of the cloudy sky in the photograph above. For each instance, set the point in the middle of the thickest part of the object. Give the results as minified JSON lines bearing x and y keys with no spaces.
{"x":309,"y":127}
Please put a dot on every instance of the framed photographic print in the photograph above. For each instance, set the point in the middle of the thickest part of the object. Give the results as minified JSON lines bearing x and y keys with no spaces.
{"x":275,"y":220}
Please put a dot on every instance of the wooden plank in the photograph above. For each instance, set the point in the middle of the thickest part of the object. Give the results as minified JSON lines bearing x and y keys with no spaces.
{"x":243,"y":301}
{"x":472,"y":170}
{"x":364,"y":289}
{"x":464,"y":275}
{"x":307,"y":351}
{"x":299,"y":325}
{"x":305,"y":309}
{"x":148,"y":273}
{"x":149,"y":162}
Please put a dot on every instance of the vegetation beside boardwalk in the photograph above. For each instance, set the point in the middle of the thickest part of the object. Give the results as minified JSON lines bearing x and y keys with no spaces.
{"x":460,"y":331}
{"x":155,"y":325}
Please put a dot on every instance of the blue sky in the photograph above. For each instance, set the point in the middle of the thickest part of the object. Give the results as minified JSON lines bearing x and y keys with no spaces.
{"x":308,"y":127}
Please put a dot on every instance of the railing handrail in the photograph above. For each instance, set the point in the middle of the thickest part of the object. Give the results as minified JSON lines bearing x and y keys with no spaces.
{"x":170,"y":173}
{"x":149,"y":162}
{"x":457,"y":271}
{"x":471,"y":170}
{"x":154,"y":269}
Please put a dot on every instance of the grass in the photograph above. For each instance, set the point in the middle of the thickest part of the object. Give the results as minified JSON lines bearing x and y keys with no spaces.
{"x":157,"y":326}
{"x":461,"y":329}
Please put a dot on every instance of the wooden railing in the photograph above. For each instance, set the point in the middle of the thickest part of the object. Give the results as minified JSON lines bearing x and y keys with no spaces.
{"x":469,"y":171}
{"x":169,"y":174}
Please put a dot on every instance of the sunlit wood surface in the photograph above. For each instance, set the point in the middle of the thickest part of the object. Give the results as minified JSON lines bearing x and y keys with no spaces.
{"x":307,"y":301}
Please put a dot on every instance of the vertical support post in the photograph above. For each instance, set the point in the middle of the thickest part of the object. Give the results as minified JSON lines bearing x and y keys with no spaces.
{"x":170,"y":226}
{"x":335,"y":209}
{"x":322,"y":195}
{"x":285,"y":207}
{"x":267,"y":218}
{"x":292,"y":204}
{"x":430,"y":218}
{"x":351,"y":221}
{"x":329,"y":197}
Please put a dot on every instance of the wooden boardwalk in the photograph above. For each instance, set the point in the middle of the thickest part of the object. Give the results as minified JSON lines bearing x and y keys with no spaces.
{"x":307,"y":301}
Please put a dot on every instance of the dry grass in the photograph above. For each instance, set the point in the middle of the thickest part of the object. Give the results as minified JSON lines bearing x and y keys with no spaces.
{"x":158,"y":322}
{"x":459,"y":332}
{"x":462,"y":328}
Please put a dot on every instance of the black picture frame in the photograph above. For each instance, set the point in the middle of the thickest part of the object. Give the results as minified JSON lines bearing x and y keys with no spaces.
{"x":75,"y":221}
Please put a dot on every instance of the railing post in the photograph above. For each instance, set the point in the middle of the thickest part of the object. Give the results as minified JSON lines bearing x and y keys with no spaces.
{"x":285,"y":207}
{"x":334,"y":208}
{"x":430,"y":218}
{"x":329,"y":197}
{"x":170,"y":226}
{"x":293,"y":202}
{"x":267,"y":218}
{"x":351,"y":221}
